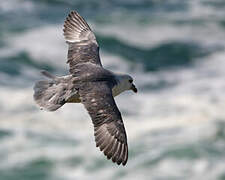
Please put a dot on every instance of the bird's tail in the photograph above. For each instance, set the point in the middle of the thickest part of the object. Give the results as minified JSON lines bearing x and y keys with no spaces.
{"x":50,"y":94}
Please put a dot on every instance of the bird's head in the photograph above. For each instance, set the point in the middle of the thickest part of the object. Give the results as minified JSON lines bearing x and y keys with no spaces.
{"x":131,"y":84}
{"x":126,"y":83}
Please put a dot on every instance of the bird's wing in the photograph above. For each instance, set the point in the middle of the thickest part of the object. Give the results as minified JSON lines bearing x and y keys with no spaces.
{"x":83,"y":46}
{"x":109,"y":131}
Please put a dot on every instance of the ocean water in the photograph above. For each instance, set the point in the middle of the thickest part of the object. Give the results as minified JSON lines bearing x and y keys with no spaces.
{"x":175,"y":51}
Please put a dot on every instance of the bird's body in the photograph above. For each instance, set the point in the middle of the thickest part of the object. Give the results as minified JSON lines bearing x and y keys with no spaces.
{"x":90,"y":84}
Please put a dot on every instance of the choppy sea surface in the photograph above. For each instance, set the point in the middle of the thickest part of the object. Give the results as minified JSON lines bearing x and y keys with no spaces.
{"x":175,"y":51}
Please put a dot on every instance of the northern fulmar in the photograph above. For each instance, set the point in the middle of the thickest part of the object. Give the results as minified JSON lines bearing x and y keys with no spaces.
{"x":90,"y":84}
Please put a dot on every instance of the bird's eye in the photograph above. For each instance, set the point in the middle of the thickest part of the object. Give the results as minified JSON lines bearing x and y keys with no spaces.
{"x":131,"y":80}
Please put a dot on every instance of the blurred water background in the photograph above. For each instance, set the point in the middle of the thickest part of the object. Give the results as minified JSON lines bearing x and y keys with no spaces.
{"x":175,"y":51}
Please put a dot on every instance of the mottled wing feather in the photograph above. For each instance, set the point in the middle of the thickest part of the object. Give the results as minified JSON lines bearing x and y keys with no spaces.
{"x":109,"y":131}
{"x":83,"y":46}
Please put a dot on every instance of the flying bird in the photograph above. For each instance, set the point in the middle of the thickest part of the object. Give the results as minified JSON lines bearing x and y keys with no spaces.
{"x":92,"y":85}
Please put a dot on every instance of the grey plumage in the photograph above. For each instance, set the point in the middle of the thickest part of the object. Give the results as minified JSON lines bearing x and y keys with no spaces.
{"x":53,"y":93}
{"x":83,"y":46}
{"x":108,"y":124}
{"x":90,"y":84}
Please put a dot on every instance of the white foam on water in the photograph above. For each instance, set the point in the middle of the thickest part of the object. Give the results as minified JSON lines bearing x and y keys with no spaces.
{"x":190,"y":106}
{"x":173,"y":116}
{"x":16,"y":5}
{"x":205,"y":10}
{"x":43,"y":44}
{"x":46,"y":45}
{"x":151,"y":35}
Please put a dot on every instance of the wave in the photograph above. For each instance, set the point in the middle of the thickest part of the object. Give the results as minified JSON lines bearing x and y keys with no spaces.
{"x":166,"y":55}
{"x":45,"y":48}
{"x":48,"y":144}
{"x":173,"y":50}
{"x":15,"y":65}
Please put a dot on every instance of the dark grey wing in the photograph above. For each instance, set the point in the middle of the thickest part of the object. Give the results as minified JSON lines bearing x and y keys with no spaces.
{"x":109,"y":131}
{"x":83,"y":46}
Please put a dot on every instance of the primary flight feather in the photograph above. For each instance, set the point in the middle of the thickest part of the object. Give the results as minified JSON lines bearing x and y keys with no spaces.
{"x":90,"y":84}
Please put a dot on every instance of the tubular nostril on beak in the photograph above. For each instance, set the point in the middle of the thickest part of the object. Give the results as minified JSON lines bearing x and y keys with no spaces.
{"x":133,"y":88}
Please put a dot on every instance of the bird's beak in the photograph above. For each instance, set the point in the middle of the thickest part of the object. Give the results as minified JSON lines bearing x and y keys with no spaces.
{"x":133,"y":88}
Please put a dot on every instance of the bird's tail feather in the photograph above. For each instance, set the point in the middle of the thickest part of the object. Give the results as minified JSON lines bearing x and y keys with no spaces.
{"x":50,"y":94}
